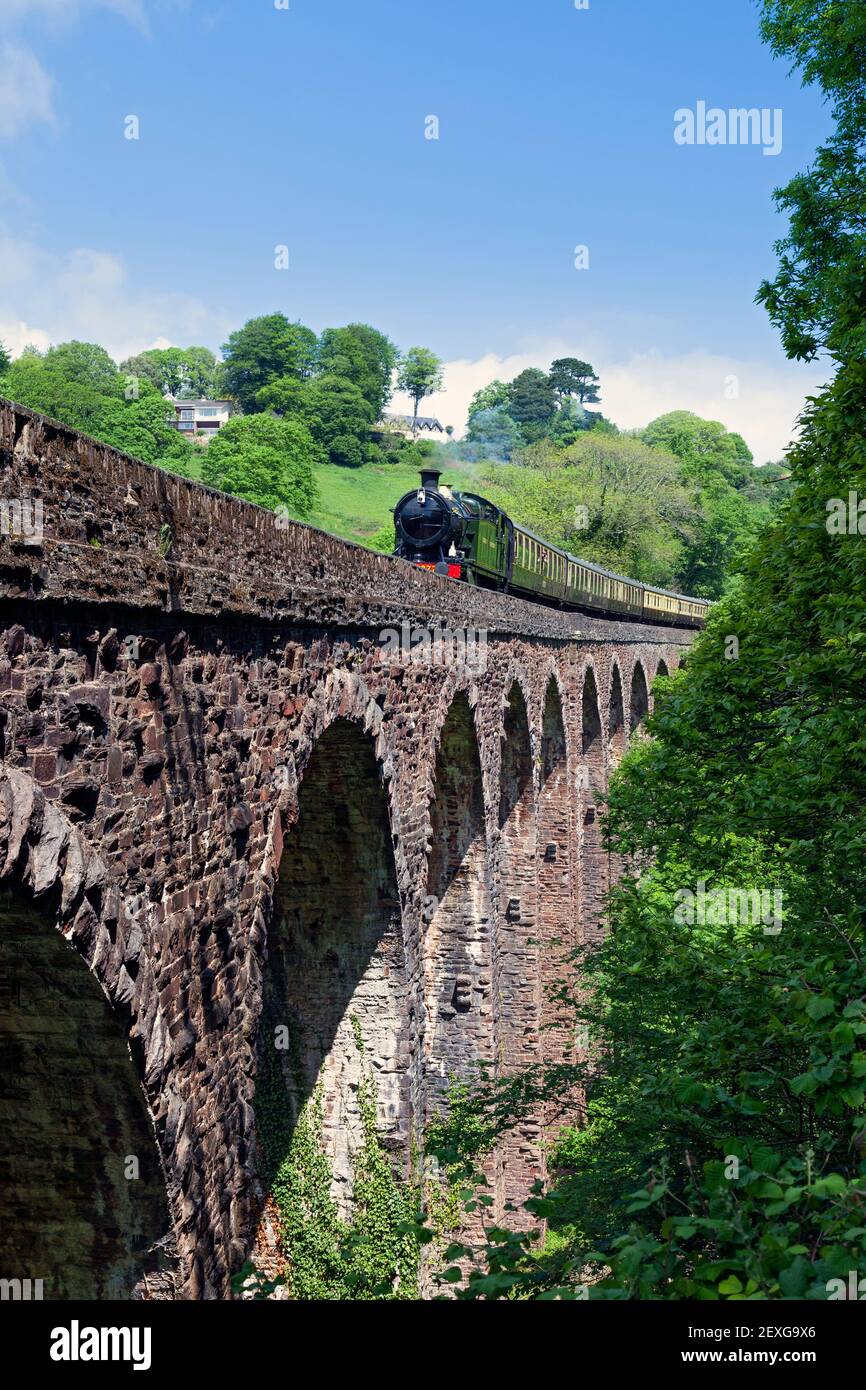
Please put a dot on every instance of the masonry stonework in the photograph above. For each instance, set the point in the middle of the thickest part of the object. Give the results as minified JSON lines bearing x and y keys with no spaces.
{"x":230,"y":795}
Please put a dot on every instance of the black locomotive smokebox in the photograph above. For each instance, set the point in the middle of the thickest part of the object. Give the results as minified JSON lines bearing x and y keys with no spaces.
{"x":424,"y":518}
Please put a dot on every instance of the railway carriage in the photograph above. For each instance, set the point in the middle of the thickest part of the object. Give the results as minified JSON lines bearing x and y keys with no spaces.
{"x":463,"y":536}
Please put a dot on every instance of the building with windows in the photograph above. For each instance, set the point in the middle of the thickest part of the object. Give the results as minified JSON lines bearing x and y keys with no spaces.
{"x":200,"y":417}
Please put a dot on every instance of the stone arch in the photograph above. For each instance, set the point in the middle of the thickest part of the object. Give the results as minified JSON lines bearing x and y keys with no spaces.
{"x":661,"y":670}
{"x":592,"y":758}
{"x":342,"y":695}
{"x":86,"y":1203}
{"x":457,"y":997}
{"x":638,"y":705}
{"x":556,"y":906}
{"x":594,"y":874}
{"x":517,"y":993}
{"x":515,"y":957}
{"x":335,"y":992}
{"x":458,"y":915}
{"x":617,"y":741}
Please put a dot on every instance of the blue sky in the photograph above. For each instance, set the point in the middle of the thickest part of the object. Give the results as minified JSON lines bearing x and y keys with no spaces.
{"x":306,"y":127}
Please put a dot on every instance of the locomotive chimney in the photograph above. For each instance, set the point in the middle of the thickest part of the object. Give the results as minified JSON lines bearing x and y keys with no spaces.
{"x":430,"y":478}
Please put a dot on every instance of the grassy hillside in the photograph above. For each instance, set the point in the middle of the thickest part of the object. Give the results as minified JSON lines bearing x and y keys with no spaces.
{"x":357,"y":502}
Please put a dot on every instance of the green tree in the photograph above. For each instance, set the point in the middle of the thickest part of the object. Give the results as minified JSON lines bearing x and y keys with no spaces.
{"x":488,"y":398}
{"x":612,"y":500}
{"x":571,"y":376}
{"x":725,"y":526}
{"x":339,"y":417}
{"x":818,"y":297}
{"x":365,"y":357}
{"x":146,"y":367}
{"x":333,"y":408}
{"x":32,"y":381}
{"x":420,"y":375}
{"x":5,"y":359}
{"x":87,"y":364}
{"x":706,"y":447}
{"x":72,"y":384}
{"x":284,"y":396}
{"x":732,"y":499}
{"x":569,"y":423}
{"x":261,"y":352}
{"x":191,"y":372}
{"x":265,"y":460}
{"x":725,"y":1150}
{"x":143,"y":427}
{"x":532,"y":402}
{"x":203,"y":373}
{"x":722,"y":1154}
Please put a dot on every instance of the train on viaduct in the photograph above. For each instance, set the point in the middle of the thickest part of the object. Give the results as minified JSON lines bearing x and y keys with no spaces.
{"x":235,"y":796}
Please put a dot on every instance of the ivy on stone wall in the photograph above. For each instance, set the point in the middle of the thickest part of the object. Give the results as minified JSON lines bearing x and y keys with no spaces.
{"x":375,"y":1255}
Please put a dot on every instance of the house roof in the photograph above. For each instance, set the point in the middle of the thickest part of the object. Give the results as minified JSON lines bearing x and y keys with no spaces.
{"x":426,"y":422}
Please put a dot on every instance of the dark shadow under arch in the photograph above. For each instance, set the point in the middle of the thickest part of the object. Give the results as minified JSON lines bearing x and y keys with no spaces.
{"x":84,"y":1204}
{"x":594,"y":871}
{"x":639,"y":701}
{"x":335,"y":973}
{"x":516,"y":955}
{"x":517,"y":986}
{"x":458,"y":917}
{"x":556,"y":906}
{"x":616,"y":736}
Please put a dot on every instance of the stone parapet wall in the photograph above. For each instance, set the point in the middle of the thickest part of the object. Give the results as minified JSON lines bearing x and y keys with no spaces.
{"x":107,"y":517}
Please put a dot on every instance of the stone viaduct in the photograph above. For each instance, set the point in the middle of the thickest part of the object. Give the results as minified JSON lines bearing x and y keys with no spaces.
{"x":232,"y":801}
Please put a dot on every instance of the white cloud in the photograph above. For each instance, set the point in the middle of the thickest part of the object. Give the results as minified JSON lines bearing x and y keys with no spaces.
{"x":25,"y":89}
{"x":48,"y":297}
{"x":16,"y":335}
{"x":637,"y":388}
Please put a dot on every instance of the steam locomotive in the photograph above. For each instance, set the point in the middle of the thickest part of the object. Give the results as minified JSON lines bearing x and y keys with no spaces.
{"x":463,"y":536}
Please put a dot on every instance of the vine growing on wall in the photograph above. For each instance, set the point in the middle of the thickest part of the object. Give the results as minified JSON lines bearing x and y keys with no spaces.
{"x":374,"y":1255}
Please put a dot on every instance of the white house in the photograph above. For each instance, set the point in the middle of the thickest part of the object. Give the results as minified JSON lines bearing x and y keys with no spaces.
{"x":200,"y":416}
